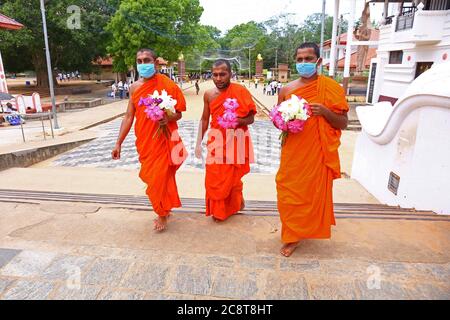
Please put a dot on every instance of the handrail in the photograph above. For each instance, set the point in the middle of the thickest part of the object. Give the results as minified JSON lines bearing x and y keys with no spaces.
{"x":401,"y":111}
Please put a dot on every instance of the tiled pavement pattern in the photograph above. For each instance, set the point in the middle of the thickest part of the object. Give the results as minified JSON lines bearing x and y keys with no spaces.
{"x":107,"y":273}
{"x":98,"y":152}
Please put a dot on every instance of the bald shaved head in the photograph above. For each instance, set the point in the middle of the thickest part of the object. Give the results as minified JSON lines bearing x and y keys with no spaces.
{"x":220,"y":62}
{"x":150,"y":51}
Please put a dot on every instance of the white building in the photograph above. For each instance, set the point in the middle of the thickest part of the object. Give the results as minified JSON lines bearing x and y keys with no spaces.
{"x":410,"y":42}
{"x":402,"y":155}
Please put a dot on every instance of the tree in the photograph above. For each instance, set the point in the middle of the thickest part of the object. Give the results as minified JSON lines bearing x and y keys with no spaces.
{"x":244,"y":36}
{"x":166,"y":26}
{"x":71,"y":48}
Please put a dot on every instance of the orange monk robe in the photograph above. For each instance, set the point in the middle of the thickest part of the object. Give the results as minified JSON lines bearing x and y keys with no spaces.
{"x":309,"y":163}
{"x":160,"y":157}
{"x":224,"y":170}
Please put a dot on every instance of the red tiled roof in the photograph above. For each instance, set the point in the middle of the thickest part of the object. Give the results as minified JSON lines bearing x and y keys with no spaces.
{"x":8,"y":23}
{"x":374,"y":36}
{"x":372,"y":53}
{"x":107,"y":61}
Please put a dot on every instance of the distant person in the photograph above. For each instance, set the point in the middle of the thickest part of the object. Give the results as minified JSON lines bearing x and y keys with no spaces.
{"x":279,"y":86}
{"x":256,"y":83}
{"x":274,"y":86}
{"x":113,"y":90}
{"x":120,"y":88}
{"x":126,"y":88}
{"x":310,"y":159}
{"x":197,"y":87}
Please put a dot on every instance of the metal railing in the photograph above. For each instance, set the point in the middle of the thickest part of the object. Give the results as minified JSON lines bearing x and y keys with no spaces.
{"x":405,"y":20}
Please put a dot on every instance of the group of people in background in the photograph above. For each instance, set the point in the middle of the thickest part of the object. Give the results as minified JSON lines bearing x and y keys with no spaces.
{"x":272,"y":88}
{"x":67,"y":76}
{"x":121,"y":88}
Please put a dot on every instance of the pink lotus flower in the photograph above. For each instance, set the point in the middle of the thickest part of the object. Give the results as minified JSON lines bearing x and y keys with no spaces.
{"x":287,"y":119}
{"x":229,"y":118}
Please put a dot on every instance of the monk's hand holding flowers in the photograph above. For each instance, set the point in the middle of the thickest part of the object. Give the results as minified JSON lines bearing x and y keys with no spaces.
{"x":318,"y":109}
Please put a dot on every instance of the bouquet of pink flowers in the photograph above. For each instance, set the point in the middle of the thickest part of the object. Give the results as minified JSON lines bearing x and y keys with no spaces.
{"x":290,"y":116}
{"x":229,"y":118}
{"x":156,"y":106}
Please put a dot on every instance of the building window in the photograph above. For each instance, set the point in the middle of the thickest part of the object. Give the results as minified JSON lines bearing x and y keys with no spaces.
{"x":421,"y":67}
{"x":395,"y":57}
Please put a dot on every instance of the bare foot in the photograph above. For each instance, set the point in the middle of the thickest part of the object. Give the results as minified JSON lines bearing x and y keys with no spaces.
{"x":160,"y":223}
{"x":242,"y":205}
{"x":216,"y":220}
{"x":288,"y":248}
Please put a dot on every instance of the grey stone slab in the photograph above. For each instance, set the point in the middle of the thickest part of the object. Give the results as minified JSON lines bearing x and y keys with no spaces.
{"x":6,"y":255}
{"x":113,"y":294}
{"x":66,"y":267}
{"x":440,"y":272}
{"x":235,"y":285}
{"x":259,"y":262}
{"x":386,"y":290}
{"x":285,"y":286}
{"x":105,"y":272}
{"x":146,"y":277}
{"x":218,"y":261}
{"x":158,"y":296}
{"x":300,"y":266}
{"x":430,"y":291}
{"x":28,"y":264}
{"x":192,"y":280}
{"x":81,"y":293}
{"x":5,"y":283}
{"x":29,"y":290}
{"x":327,"y":289}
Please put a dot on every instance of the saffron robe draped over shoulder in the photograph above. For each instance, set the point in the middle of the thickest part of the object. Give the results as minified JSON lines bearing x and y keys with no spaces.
{"x":309,"y":164}
{"x":230,"y":153}
{"x":160,"y":157}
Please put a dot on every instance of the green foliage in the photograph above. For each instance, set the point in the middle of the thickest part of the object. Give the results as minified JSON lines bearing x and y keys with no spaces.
{"x":71,"y":49}
{"x":166,"y":26}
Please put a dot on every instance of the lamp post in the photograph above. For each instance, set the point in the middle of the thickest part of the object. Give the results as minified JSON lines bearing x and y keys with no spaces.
{"x":322,"y":30}
{"x":49,"y":66}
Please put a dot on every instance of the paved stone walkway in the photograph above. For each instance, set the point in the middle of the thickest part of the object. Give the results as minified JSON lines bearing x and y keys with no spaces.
{"x":98,"y":152}
{"x":75,"y":251}
{"x":105,"y":273}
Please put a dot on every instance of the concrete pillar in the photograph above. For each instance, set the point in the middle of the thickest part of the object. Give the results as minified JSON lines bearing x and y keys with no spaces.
{"x":333,"y":51}
{"x":348,"y":49}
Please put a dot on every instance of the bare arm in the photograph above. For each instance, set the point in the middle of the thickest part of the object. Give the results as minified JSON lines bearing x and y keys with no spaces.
{"x":125,"y":127}
{"x":203,"y":126}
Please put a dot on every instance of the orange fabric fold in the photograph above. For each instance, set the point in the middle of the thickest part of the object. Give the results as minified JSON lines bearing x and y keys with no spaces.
{"x":160,"y":157}
{"x":228,"y":158}
{"x":309,"y":164}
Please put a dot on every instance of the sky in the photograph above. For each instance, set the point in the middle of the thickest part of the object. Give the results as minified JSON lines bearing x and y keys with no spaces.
{"x":224,"y":14}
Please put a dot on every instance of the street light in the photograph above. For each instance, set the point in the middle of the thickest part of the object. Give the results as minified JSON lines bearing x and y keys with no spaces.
{"x":49,"y":66}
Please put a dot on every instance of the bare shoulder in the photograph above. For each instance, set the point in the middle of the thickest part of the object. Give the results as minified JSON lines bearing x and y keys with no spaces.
{"x":135,"y":85}
{"x":207,"y":97}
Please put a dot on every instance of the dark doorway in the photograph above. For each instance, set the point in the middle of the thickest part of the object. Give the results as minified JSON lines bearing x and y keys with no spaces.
{"x":421,"y":67}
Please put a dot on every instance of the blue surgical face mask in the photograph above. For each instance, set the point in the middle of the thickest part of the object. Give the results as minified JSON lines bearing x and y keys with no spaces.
{"x":306,"y":69}
{"x":146,"y":70}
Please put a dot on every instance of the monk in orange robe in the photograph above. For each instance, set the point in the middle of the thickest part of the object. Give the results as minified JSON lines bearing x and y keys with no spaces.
{"x":309,"y":159}
{"x":160,"y":155}
{"x":229,"y":150}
